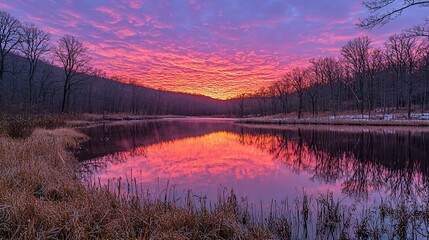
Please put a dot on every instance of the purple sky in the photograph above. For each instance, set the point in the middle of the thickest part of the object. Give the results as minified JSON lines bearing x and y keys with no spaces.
{"x":219,"y":48}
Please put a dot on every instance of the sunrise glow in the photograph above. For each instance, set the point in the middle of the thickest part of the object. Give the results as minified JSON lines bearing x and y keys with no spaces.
{"x":215,"y":48}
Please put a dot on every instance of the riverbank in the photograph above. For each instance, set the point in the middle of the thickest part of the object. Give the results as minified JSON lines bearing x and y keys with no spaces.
{"x":86,"y":119}
{"x":417,"y":120}
{"x":41,"y":196}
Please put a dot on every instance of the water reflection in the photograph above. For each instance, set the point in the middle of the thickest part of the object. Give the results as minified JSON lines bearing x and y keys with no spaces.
{"x":261,"y":163}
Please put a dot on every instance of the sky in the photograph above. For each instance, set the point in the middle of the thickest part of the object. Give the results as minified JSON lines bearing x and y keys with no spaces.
{"x":217,"y":48}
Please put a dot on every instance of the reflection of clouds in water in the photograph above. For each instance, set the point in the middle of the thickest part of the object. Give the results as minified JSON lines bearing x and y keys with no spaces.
{"x":265,"y":161}
{"x":193,"y":160}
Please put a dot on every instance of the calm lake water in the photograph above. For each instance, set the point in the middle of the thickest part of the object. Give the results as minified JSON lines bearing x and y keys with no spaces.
{"x":212,"y":155}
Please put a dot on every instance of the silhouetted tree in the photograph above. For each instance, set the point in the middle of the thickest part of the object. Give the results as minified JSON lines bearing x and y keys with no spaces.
{"x":297,"y":78}
{"x":241,"y":97}
{"x":314,"y":85}
{"x":329,"y":72}
{"x":377,"y":65}
{"x":34,"y":43}
{"x":48,"y":88}
{"x":424,"y":67}
{"x":283,"y":89}
{"x":9,"y":40}
{"x":403,"y":53}
{"x":394,"y":7}
{"x":274,"y":94}
{"x":72,"y":55}
{"x":356,"y":55}
{"x":262,"y":96}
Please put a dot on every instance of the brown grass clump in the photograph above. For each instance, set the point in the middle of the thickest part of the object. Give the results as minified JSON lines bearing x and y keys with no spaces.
{"x":23,"y":125}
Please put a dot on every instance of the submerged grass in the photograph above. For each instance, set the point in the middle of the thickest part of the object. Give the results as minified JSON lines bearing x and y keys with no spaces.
{"x":41,"y":197}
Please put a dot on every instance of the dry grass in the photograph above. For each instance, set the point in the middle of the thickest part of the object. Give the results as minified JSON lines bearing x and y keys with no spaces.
{"x":23,"y":125}
{"x":87,"y":119}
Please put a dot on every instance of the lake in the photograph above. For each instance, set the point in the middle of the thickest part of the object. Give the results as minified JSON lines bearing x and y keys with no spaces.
{"x":261,"y":163}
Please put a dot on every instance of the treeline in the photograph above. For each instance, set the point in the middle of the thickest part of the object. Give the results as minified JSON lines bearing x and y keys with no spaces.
{"x":363,"y":78}
{"x":39,"y":76}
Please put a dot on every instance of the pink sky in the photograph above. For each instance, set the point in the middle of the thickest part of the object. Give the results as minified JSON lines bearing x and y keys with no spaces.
{"x":216,"y":48}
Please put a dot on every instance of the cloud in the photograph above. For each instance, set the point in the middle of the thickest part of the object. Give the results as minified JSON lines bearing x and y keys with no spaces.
{"x":217,"y":48}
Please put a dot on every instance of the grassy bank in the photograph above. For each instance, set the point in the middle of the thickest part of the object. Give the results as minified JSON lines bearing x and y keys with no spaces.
{"x":87,"y":119}
{"x":42,"y":197}
{"x":340,"y":120}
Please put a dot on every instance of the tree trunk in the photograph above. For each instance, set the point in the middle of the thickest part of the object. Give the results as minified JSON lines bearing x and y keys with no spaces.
{"x":300,"y":105}
{"x":313,"y":106}
{"x":410,"y":90}
{"x":1,"y":83}
{"x":63,"y":105}
{"x":30,"y":81}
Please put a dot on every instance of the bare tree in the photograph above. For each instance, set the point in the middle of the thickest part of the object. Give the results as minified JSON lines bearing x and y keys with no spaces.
{"x":394,"y":9}
{"x":377,"y":64}
{"x":356,"y":55}
{"x":261,"y":97}
{"x":48,"y":87}
{"x":9,"y":40}
{"x":328,"y":71}
{"x":71,"y":54}
{"x":424,"y":67}
{"x":297,"y":78}
{"x":96,"y":74}
{"x":421,"y":30}
{"x":403,"y":54}
{"x":333,"y":72}
{"x":34,"y":43}
{"x":275,"y":97}
{"x":313,"y":90}
{"x":241,"y":99}
{"x":283,"y":89}
{"x":16,"y":70}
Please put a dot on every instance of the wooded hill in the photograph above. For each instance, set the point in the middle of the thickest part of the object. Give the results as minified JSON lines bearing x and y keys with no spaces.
{"x":94,"y":94}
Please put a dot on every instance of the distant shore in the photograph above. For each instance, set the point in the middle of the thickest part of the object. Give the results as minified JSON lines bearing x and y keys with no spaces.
{"x":417,"y":120}
{"x":86,"y":119}
{"x":387,"y":120}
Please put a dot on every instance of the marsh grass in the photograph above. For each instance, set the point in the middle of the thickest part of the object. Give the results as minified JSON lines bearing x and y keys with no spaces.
{"x":41,"y":197}
{"x":23,"y":125}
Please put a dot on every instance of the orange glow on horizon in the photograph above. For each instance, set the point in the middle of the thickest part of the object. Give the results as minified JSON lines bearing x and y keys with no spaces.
{"x":219,"y":76}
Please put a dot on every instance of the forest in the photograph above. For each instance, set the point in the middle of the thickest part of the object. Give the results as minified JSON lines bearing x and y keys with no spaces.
{"x":362,"y":78}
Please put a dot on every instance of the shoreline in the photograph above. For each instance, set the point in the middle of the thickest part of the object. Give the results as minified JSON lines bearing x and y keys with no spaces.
{"x":94,"y":120}
{"x":339,"y":121}
{"x":86,"y":120}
